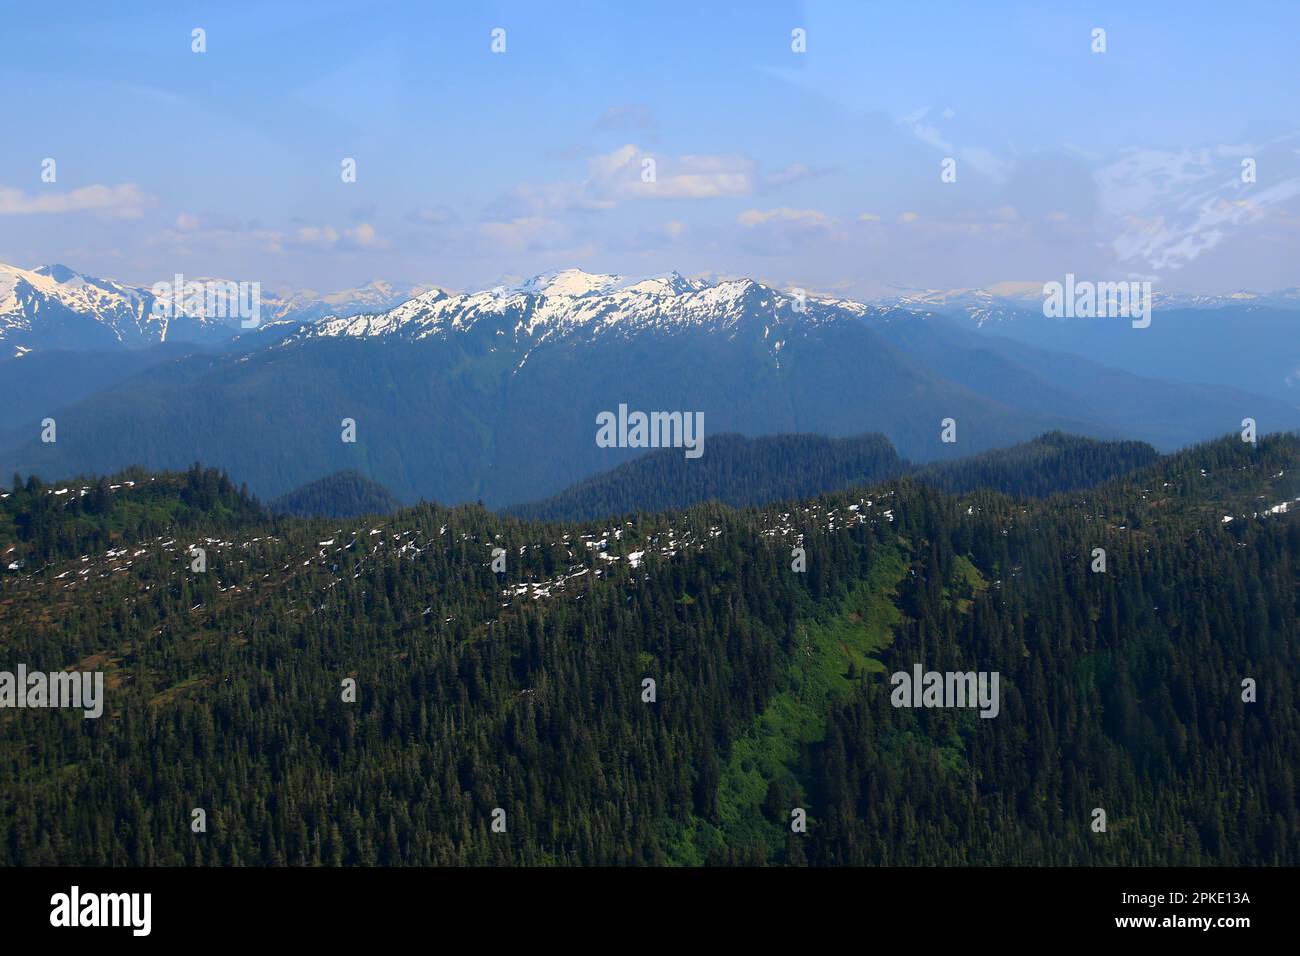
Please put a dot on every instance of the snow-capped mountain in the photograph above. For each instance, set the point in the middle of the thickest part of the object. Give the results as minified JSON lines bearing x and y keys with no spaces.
{"x":1282,"y":299}
{"x":980,"y":306}
{"x":991,"y":307}
{"x":495,"y":395}
{"x":55,"y":307}
{"x":569,"y":303}
{"x":307,"y":305}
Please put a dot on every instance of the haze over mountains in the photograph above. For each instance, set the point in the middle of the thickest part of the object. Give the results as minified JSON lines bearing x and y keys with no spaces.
{"x":493,"y":395}
{"x":1009,"y":300}
{"x":1242,"y":339}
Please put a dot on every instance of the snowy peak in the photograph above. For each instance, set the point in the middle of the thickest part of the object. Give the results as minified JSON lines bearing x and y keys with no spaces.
{"x":58,"y":272}
{"x":307,"y":305}
{"x":1014,"y":300}
{"x":981,"y":306}
{"x":571,"y":283}
{"x":56,"y":307}
{"x":575,"y":303}
{"x":575,"y":283}
{"x":671,"y":284}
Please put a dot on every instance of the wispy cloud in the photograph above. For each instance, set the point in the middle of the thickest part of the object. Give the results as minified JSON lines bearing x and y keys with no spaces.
{"x":524,"y":234}
{"x":628,"y":174}
{"x":794,"y":173}
{"x":433,"y":215}
{"x":982,"y":159}
{"x":361,"y":236}
{"x":623,"y":174}
{"x":627,"y":116}
{"x":751,"y":218}
{"x":123,"y":201}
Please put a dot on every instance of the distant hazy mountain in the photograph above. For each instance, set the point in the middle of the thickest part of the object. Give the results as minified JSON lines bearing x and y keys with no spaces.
{"x":1021,"y":299}
{"x":1254,"y":348}
{"x":1164,"y":411}
{"x":1245,"y":340}
{"x":307,"y":305}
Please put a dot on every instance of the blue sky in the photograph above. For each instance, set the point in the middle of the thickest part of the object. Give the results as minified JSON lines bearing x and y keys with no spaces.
{"x":818,"y":169}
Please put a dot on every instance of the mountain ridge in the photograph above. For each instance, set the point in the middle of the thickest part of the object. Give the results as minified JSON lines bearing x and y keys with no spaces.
{"x":761,"y":472}
{"x":55,"y":307}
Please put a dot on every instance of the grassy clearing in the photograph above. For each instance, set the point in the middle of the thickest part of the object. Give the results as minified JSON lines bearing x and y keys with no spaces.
{"x":825,"y":670}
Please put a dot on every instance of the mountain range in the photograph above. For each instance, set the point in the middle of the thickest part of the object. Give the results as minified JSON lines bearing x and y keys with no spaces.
{"x":1011,"y":300}
{"x":55,"y":307}
{"x":494,"y":395}
{"x":1241,"y":339}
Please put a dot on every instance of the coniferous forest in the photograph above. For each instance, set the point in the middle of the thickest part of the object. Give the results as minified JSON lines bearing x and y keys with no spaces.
{"x":375,"y":692}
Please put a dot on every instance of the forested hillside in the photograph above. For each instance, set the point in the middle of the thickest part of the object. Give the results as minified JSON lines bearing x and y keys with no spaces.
{"x":524,"y":691}
{"x":345,"y":494}
{"x":1049,"y":464}
{"x":741,"y":471}
{"x":737,"y":471}
{"x":40,"y":522}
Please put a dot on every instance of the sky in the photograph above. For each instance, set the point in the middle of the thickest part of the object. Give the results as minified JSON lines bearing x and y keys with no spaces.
{"x":822,"y":169}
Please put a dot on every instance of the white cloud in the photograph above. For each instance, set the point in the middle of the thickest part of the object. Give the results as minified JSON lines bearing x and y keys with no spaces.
{"x":541,"y":200}
{"x":123,"y":201}
{"x":364,"y":235}
{"x":523,"y":234}
{"x":620,"y":176}
{"x":191,"y":236}
{"x":360,"y":236}
{"x":784,"y":214}
{"x":323,"y":236}
{"x":795,"y":172}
